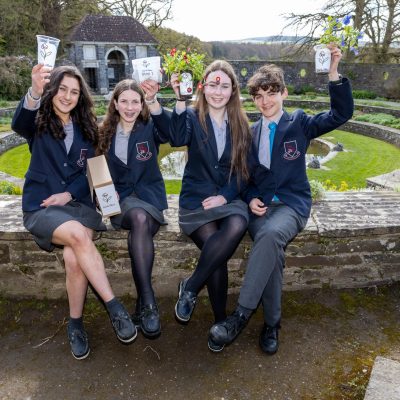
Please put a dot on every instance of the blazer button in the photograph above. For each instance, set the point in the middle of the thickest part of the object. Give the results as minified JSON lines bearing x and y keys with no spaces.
{"x":62,"y":183}
{"x":65,"y":164}
{"x":216,"y":166}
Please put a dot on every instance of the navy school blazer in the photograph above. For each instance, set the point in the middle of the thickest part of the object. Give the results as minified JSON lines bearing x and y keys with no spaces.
{"x":141,"y":174}
{"x":292,"y":138}
{"x":204,"y":174}
{"x":51,"y":169}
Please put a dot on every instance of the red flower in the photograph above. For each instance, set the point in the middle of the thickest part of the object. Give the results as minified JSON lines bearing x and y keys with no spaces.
{"x":199,"y":85}
{"x":172,"y":52}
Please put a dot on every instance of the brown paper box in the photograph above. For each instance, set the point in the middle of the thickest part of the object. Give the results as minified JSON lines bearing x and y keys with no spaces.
{"x":100,"y":182}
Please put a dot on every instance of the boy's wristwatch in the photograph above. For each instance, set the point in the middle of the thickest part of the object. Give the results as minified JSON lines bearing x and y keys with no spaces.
{"x":338,"y":81}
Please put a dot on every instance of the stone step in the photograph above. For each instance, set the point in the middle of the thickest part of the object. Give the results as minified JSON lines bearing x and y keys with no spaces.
{"x":384,"y":382}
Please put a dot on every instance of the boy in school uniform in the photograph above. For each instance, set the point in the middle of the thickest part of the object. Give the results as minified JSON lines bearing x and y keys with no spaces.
{"x":281,"y":141}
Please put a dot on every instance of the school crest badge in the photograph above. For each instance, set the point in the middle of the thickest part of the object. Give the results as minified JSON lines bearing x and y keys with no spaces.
{"x":82,"y":158}
{"x":291,"y":152}
{"x":143,"y":151}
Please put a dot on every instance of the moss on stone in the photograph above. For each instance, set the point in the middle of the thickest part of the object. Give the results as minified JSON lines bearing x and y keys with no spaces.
{"x":106,"y":252}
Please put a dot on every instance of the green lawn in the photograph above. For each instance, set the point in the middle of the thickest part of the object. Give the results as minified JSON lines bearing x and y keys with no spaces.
{"x":366,"y":157}
{"x":15,"y":162}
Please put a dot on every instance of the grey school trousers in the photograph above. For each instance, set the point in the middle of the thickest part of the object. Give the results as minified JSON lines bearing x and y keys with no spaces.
{"x":263,"y":279}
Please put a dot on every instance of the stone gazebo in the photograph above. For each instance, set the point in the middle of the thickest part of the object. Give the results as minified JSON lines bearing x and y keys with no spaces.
{"x":102,"y":47}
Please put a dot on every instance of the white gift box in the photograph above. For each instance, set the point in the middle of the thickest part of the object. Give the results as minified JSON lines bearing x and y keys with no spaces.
{"x":147,"y":68}
{"x":100,"y":183}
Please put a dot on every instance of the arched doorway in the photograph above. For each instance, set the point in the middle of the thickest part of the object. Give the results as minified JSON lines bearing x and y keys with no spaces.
{"x":116,"y":67}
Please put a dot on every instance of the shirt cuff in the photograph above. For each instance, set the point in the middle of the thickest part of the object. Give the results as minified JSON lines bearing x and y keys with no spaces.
{"x":35,"y":107}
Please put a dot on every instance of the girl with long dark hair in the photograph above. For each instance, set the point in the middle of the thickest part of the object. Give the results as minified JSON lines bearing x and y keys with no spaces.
{"x":57,"y":120}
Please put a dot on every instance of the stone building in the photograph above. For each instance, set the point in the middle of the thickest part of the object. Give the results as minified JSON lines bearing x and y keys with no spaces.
{"x":102,"y":47}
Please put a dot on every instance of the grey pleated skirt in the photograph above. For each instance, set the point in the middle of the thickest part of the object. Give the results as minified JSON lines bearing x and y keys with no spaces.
{"x":133,"y":201}
{"x":190,"y":220}
{"x":42,"y":223}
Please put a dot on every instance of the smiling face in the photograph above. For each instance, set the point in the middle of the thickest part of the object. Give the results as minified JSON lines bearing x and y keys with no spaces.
{"x":217,"y":89}
{"x":270,"y":103}
{"x":129,"y":106}
{"x":67,"y":97}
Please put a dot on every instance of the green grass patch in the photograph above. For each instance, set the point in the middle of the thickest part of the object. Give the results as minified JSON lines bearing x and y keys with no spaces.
{"x":173,"y":186}
{"x":365,"y":157}
{"x":15,"y":162}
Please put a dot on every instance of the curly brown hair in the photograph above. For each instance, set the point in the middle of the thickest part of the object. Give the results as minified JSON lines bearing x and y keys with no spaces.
{"x":238,"y":122}
{"x":83,"y":114}
{"x":109,"y":125}
{"x":268,"y":77}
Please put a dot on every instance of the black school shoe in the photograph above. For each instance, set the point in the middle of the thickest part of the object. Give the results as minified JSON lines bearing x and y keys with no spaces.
{"x":148,"y":320}
{"x":268,"y":340}
{"x":227,"y":331}
{"x":186,"y":301}
{"x":123,"y":326}
{"x":214,"y":347}
{"x":79,"y":343}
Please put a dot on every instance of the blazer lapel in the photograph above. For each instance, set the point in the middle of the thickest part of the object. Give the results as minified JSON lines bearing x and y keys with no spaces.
{"x":257,"y":135}
{"x":211,"y":138}
{"x":111,"y":152}
{"x":280,"y":130}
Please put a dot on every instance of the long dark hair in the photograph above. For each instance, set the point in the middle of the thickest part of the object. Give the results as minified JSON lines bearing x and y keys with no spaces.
{"x":238,"y":122}
{"x":110,"y":122}
{"x":83,"y":114}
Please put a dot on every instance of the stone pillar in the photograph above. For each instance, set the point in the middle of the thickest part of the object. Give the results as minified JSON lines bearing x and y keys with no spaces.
{"x":103,"y":65}
{"x":132,"y":56}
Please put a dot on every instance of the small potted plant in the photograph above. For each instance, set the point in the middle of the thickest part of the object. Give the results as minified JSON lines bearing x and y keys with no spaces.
{"x":189,"y":65}
{"x":340,"y":32}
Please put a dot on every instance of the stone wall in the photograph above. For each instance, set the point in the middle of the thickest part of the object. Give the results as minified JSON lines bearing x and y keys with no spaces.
{"x":10,"y":140}
{"x":382,"y":79}
{"x":351,"y":240}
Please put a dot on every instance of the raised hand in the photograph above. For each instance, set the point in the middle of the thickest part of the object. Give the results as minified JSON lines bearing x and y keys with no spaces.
{"x":40,"y":76}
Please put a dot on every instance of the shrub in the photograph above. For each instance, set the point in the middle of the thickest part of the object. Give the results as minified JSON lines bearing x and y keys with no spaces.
{"x":290,"y":89}
{"x":380,"y":119}
{"x":9,"y":188}
{"x":364,"y":94}
{"x":317,"y":190}
{"x":15,"y":77}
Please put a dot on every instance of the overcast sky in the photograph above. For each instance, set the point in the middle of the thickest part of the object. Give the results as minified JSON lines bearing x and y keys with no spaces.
{"x":229,"y":19}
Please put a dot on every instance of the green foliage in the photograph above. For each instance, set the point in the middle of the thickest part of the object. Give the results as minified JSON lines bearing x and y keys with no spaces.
{"x":317,"y":190}
{"x":364,"y":94}
{"x":101,"y":109}
{"x":290,"y":89}
{"x":380,"y":119}
{"x":15,"y":77}
{"x":5,"y":124}
{"x":340,"y":32}
{"x":168,"y":39}
{"x":178,"y":61}
{"x":8,"y":188}
{"x":303,"y":89}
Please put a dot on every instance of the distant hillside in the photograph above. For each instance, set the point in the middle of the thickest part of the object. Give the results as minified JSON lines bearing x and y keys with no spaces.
{"x":256,"y":50}
{"x":271,"y":39}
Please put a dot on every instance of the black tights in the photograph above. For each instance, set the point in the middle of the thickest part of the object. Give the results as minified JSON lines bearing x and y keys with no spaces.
{"x":217,"y":241}
{"x":142,"y":228}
